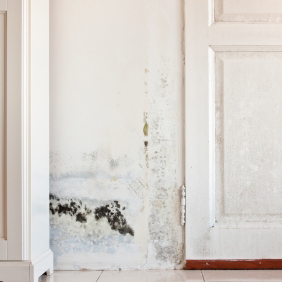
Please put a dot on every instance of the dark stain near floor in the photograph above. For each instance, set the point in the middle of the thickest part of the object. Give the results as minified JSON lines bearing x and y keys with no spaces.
{"x":146,"y":143}
{"x":112,"y":212}
{"x":115,"y":218}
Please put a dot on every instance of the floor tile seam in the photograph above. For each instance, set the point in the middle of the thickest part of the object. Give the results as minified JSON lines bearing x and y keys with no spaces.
{"x":100,"y":275}
{"x":203,"y":276}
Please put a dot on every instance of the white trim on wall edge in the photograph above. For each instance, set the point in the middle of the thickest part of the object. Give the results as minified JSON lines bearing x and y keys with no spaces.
{"x":27,"y":271}
{"x":3,"y":249}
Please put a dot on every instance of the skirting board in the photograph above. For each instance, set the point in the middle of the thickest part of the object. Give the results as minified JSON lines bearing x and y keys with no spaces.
{"x":26,"y":271}
{"x":233,"y":264}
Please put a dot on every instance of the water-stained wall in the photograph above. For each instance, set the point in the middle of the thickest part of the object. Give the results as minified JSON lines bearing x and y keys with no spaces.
{"x":116,"y":129}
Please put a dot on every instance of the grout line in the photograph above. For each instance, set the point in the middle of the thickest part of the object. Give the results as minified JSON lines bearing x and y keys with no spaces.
{"x":203,"y":276}
{"x":100,"y":275}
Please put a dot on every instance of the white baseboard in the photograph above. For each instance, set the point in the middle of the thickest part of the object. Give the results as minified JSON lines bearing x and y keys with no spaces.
{"x":26,"y":271}
{"x":12,"y":271}
{"x":40,"y":265}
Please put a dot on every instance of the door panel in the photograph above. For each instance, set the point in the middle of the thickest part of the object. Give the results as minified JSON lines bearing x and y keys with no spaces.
{"x":248,"y":164}
{"x":248,"y":11}
{"x":233,"y":130}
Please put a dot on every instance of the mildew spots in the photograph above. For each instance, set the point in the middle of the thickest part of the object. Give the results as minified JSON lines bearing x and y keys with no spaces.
{"x":146,"y":142}
{"x":78,"y":210}
{"x":81,"y":217}
{"x":115,"y":218}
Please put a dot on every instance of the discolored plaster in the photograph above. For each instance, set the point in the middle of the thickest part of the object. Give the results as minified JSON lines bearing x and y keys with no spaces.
{"x":118,"y":174}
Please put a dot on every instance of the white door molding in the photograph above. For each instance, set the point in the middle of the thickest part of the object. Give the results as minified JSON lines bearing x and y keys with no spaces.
{"x":27,"y":271}
{"x":3,"y":192}
{"x":17,"y":131}
{"x":27,"y":124}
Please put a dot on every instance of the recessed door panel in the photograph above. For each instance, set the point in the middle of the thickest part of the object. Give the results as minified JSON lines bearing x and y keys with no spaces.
{"x":248,"y":131}
{"x":248,"y":11}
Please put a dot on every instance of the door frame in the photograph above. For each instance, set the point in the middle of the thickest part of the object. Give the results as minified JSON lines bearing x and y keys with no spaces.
{"x":17,"y":129}
{"x":3,"y":239}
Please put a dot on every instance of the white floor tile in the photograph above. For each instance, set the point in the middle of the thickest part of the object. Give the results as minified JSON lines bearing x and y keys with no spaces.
{"x":72,"y":276}
{"x":165,"y":276}
{"x":151,"y":276}
{"x":242,"y":275}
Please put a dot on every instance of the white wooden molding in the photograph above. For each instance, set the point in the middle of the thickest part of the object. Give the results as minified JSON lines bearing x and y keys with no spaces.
{"x":16,"y":218}
{"x":246,"y":48}
{"x":3,"y":192}
{"x":15,"y":271}
{"x":3,"y":5}
{"x":40,"y":265}
{"x":26,"y":146}
{"x":27,"y":271}
{"x":27,"y":138}
{"x":3,"y":249}
{"x":245,"y":34}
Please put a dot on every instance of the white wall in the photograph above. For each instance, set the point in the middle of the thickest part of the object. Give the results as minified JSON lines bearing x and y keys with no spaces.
{"x":115,"y":65}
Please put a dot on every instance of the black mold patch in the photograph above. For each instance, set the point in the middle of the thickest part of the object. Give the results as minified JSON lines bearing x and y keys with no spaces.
{"x":81,"y":217}
{"x":53,"y":197}
{"x":75,"y":208}
{"x":69,"y":209}
{"x":115,"y":218}
{"x":146,"y":143}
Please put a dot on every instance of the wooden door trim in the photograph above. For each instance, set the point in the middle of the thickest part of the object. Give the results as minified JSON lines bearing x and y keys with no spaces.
{"x":233,"y":264}
{"x":17,"y":130}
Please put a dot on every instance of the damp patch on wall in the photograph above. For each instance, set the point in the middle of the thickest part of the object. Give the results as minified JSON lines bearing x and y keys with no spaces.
{"x":97,"y":212}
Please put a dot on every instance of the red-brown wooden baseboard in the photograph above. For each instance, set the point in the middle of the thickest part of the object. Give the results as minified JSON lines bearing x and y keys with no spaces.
{"x":234,"y":264}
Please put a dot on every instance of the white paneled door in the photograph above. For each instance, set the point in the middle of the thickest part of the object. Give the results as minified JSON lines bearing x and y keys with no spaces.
{"x":233,"y":129}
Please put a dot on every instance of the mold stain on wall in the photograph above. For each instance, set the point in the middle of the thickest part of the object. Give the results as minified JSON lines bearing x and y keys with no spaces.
{"x":98,"y":213}
{"x":116,"y":160}
{"x":112,"y":212}
{"x":146,"y":142}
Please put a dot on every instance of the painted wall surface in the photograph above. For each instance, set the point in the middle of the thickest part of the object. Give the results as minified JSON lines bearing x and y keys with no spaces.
{"x":116,"y":133}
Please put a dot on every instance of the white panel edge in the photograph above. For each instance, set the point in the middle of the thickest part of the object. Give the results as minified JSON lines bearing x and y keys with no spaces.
{"x":245,"y":34}
{"x":3,"y":5}
{"x":25,"y":131}
{"x":3,"y":249}
{"x":212,"y":136}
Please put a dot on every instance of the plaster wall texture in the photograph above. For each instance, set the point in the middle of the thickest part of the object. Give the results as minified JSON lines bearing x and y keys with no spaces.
{"x":116,"y":134}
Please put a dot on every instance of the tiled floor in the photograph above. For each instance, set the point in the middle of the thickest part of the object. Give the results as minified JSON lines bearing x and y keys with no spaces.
{"x":164,"y":276}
